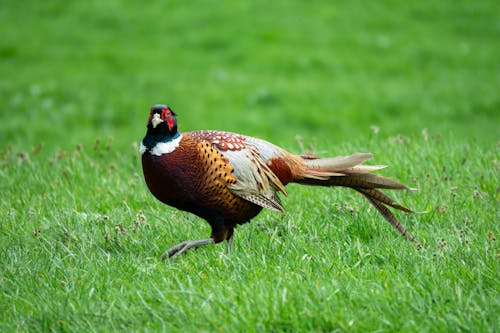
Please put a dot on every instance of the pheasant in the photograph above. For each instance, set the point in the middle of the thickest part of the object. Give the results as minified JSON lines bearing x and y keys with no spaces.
{"x":227,"y":178}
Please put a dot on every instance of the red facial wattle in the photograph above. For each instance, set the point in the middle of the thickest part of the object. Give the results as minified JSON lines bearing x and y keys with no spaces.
{"x":170,"y":123}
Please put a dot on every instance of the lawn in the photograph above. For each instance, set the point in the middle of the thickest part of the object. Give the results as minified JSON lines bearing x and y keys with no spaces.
{"x":414,"y":83}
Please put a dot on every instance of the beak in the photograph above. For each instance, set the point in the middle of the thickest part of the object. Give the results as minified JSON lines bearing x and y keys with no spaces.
{"x":156,"y":120}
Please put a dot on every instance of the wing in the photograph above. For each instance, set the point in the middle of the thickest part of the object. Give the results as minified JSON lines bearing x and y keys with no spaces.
{"x":255,"y":181}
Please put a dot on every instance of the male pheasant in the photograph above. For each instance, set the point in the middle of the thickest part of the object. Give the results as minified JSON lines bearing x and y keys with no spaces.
{"x":227,"y":178}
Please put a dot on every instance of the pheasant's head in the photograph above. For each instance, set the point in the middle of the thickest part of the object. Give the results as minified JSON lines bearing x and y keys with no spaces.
{"x":162,"y":121}
{"x":162,"y":136}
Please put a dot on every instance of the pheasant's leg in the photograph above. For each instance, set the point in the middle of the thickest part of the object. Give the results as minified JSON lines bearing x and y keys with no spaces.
{"x":184,"y":246}
{"x":229,"y":244}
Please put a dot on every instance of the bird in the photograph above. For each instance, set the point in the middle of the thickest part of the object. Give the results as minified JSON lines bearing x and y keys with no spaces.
{"x":227,"y":178}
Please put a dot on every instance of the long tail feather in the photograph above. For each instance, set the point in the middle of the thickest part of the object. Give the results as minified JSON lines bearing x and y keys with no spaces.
{"x":339,"y":162}
{"x":347,"y":171}
{"x":383,"y":198}
{"x":389,"y":216}
{"x":362,"y":180}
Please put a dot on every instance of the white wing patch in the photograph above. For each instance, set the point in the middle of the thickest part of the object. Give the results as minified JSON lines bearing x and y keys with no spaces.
{"x":162,"y":148}
{"x":255,"y":181}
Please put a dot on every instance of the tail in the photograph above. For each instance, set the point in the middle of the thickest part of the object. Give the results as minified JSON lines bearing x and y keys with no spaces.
{"x":348,"y":171}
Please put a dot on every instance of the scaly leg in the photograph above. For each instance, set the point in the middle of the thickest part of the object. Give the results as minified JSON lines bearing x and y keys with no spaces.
{"x":184,"y":246}
{"x":229,"y":244}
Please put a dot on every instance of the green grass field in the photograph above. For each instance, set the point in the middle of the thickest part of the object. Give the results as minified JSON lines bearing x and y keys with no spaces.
{"x":417,"y":84}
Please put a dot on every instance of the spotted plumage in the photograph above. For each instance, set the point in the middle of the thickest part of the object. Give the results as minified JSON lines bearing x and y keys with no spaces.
{"x":227,"y":178}
{"x":223,"y":140}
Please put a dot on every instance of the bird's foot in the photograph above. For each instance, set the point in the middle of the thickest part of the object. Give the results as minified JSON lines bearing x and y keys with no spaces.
{"x":184,"y":246}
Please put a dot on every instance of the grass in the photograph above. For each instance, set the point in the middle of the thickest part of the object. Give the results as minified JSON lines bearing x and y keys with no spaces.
{"x":416,"y":84}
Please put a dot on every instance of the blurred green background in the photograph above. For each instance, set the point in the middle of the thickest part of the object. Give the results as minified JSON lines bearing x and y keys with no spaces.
{"x":415,"y":82}
{"x":71,"y":72}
